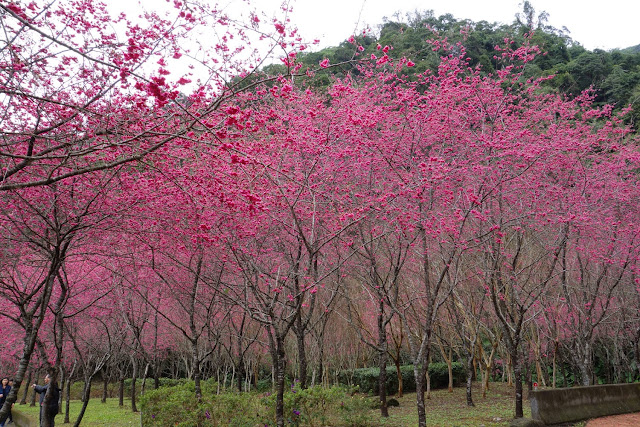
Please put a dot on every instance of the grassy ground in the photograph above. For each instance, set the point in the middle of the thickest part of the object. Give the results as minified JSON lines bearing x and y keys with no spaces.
{"x":97,"y":414}
{"x":450,"y":409}
{"x":443,"y":409}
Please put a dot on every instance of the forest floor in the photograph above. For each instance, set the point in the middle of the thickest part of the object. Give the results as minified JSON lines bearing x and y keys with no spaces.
{"x":450,"y":409}
{"x":442,"y":409}
{"x":496,"y":409}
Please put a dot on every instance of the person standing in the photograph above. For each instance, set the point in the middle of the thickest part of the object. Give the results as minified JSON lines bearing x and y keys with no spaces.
{"x":49,"y":408}
{"x":10,"y":417}
{"x":5,"y":388}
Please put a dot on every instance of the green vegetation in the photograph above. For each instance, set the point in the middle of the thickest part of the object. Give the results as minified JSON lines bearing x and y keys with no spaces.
{"x":366,"y":379}
{"x":614,"y":76}
{"x":316,"y":406}
{"x":97,"y":415}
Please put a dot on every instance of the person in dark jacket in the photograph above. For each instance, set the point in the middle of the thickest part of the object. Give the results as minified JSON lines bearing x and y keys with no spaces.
{"x":10,"y":418}
{"x":52,"y":407}
{"x":5,"y":388}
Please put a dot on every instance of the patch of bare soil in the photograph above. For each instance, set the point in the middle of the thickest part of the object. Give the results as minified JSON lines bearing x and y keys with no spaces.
{"x":626,"y":420}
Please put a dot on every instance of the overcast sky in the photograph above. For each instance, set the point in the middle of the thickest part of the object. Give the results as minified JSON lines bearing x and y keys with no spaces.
{"x":595,"y":24}
{"x":605,"y":24}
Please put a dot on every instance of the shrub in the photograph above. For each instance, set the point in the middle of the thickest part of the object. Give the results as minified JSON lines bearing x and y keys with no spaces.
{"x":177,"y":406}
{"x":367,"y":378}
{"x":316,"y":406}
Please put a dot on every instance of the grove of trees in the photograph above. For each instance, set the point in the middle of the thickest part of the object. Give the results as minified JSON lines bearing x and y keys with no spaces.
{"x":351,"y":212}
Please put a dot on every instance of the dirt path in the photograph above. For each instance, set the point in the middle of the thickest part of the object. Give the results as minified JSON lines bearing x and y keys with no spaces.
{"x":626,"y":420}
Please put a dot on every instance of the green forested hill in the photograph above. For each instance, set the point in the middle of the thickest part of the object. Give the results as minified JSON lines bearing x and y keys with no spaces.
{"x":614,"y":75}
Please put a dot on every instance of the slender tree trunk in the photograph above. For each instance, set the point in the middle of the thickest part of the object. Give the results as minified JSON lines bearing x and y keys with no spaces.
{"x":23,"y":364}
{"x":302,"y":353}
{"x":486,"y":371}
{"x":420,"y":373}
{"x":240,"y":369}
{"x":279,"y":365}
{"x":67,"y":393}
{"x":121,"y":392}
{"x":105,"y":388}
{"x":321,"y":360}
{"x":23,"y":401}
{"x":156,"y":376}
{"x":33,"y":399}
{"x":469,"y":380}
{"x":399,"y":375}
{"x":134,"y":377}
{"x":450,"y":369}
{"x":86,"y":395}
{"x":67,"y":407}
{"x":195,"y":360}
{"x":31,"y":326}
{"x":555,"y":354}
{"x":382,"y":361}
{"x":517,"y":378}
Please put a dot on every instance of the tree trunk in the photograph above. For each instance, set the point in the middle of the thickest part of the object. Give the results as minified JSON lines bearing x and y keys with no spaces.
{"x":23,"y":364}
{"x":240,"y":369}
{"x":450,"y":370}
{"x":517,"y":378}
{"x":33,"y":399}
{"x":86,"y":395}
{"x":195,"y":360}
{"x":23,"y":401}
{"x":67,"y":393}
{"x":555,"y":354}
{"x":584,"y":361}
{"x":382,"y":361}
{"x":156,"y":377}
{"x":302,"y":353}
{"x":469,"y":380}
{"x":399,"y":375}
{"x":279,"y":365}
{"x":134,"y":376}
{"x":420,"y":375}
{"x":321,"y":360}
{"x":121,"y":392}
{"x":105,"y":388}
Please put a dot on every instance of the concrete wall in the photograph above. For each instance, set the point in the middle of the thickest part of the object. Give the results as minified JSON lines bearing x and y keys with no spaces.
{"x":564,"y":405}
{"x":21,"y":420}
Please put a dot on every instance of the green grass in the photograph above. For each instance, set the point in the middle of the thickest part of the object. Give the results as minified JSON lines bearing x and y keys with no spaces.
{"x":443,"y":409}
{"x":97,"y":413}
{"x":450,"y":409}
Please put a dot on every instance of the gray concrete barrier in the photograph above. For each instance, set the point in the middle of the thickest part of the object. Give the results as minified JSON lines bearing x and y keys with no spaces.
{"x":21,"y":420}
{"x":565,"y":405}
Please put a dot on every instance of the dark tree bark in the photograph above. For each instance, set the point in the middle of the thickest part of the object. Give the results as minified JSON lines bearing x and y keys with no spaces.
{"x":23,"y":401}
{"x":121,"y":392}
{"x":134,"y":377}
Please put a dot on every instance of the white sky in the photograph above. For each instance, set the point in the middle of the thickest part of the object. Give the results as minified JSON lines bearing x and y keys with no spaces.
{"x":606,"y":25}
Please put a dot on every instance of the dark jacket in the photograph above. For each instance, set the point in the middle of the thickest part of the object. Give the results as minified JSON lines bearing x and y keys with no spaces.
{"x":4,"y":391}
{"x":42,"y":389}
